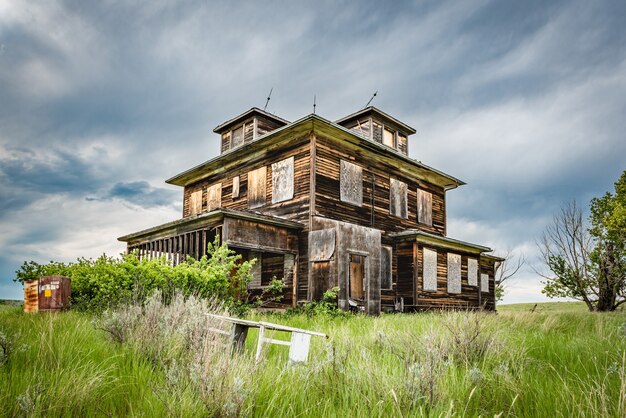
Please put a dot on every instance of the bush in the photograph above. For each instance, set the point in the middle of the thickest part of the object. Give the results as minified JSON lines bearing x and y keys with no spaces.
{"x":107,"y":282}
{"x":327,"y":306}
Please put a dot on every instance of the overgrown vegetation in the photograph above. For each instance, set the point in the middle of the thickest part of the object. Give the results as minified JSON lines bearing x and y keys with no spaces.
{"x":107,"y":282}
{"x":156,"y":359}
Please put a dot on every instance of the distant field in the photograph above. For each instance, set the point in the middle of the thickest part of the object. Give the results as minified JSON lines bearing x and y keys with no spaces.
{"x":544,"y":307}
{"x":559,"y":361}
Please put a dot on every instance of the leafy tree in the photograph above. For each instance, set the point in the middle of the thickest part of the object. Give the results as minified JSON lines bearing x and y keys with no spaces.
{"x":588,"y":261}
{"x":608,"y":228}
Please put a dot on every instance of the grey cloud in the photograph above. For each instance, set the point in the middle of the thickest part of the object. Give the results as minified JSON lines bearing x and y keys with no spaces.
{"x":522,"y":100}
{"x":140,"y":193}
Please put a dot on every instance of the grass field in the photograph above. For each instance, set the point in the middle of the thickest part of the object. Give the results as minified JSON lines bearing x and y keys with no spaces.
{"x":558,"y":361}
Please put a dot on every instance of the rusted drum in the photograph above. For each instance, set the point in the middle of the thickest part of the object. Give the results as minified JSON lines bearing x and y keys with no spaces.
{"x":31,"y":301}
{"x":54,"y":293}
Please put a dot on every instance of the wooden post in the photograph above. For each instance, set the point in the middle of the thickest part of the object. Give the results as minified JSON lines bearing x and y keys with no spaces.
{"x":259,"y":344}
{"x":238,"y":335}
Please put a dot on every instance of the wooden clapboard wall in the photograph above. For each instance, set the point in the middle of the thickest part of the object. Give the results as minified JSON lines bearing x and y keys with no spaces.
{"x":376,"y":188}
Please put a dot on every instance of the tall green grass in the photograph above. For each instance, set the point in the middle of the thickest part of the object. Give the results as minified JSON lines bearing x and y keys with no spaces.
{"x":545,"y":363}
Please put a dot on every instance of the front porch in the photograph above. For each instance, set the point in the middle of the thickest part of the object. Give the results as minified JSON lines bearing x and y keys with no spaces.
{"x":272,"y":241}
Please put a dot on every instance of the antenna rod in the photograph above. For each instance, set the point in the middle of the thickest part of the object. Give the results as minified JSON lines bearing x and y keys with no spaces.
{"x":268,"y":98}
{"x":314,"y":99}
{"x":368,"y":103}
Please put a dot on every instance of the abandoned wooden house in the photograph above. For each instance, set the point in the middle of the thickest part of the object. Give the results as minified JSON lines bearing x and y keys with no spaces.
{"x":324,"y":204}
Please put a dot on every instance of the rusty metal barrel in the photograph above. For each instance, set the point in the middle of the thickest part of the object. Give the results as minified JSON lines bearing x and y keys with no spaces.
{"x":31,"y":299}
{"x":54,"y":293}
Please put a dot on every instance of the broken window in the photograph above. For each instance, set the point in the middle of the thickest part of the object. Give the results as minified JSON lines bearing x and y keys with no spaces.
{"x":429,"y":271}
{"x":272,"y":267}
{"x":282,"y":180}
{"x":235,"y":193}
{"x":454,"y":273}
{"x":364,"y":127}
{"x":214,"y":197}
{"x":398,"y":198}
{"x":484,"y":282}
{"x":269,"y":266}
{"x":256,"y":187}
{"x":385,"y":268}
{"x":351,"y":183}
{"x":357,"y":275}
{"x":472,"y":272}
{"x":424,"y":207}
{"x":195,"y":202}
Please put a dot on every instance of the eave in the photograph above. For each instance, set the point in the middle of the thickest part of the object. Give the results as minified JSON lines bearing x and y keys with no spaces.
{"x":438,"y":241}
{"x":245,"y":115}
{"x":384,"y":116}
{"x":312,"y":123}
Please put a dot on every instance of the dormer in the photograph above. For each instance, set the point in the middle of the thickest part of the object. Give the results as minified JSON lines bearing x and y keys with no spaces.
{"x":376,"y":125}
{"x":247,"y":127}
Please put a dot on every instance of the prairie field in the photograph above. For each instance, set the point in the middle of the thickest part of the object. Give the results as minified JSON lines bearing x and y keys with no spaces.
{"x":551,"y":362}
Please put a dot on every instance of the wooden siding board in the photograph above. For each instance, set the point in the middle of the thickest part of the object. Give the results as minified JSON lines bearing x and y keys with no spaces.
{"x":376,"y":188}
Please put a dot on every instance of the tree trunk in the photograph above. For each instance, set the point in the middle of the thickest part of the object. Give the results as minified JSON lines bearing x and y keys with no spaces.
{"x":607,"y":293}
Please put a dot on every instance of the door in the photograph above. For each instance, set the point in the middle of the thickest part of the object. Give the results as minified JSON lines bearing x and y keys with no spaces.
{"x":357,"y":277}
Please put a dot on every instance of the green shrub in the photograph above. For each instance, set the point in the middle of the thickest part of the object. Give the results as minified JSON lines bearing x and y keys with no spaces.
{"x":107,"y":282}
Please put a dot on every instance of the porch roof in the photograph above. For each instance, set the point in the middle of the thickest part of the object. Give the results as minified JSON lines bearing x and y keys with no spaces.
{"x":206,"y":218}
{"x":437,"y":240}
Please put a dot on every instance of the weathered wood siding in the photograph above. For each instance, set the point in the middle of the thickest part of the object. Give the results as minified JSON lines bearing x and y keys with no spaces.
{"x":296,"y":208}
{"x":469,"y":296}
{"x":376,"y":191}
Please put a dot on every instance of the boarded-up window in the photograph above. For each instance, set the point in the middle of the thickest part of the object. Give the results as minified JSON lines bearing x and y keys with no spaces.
{"x":225,"y":141}
{"x":377,"y":132}
{"x":398,"y":202}
{"x":385,"y":268}
{"x":389,"y":138}
{"x":429,"y":271}
{"x":214,"y":197}
{"x":290,"y":261}
{"x":256,"y":187}
{"x":424,"y":207}
{"x":351,"y":183}
{"x":282,"y":180}
{"x":403,"y":144}
{"x":248,"y":132}
{"x":357,"y":276}
{"x":484,"y":282}
{"x":237,"y":137}
{"x":195,"y":202}
{"x":235,"y":187}
{"x":454,"y":273}
{"x":321,"y":244}
{"x":472,"y":272}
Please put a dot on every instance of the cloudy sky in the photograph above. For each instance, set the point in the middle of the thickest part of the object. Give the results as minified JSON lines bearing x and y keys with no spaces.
{"x":100,"y":102}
